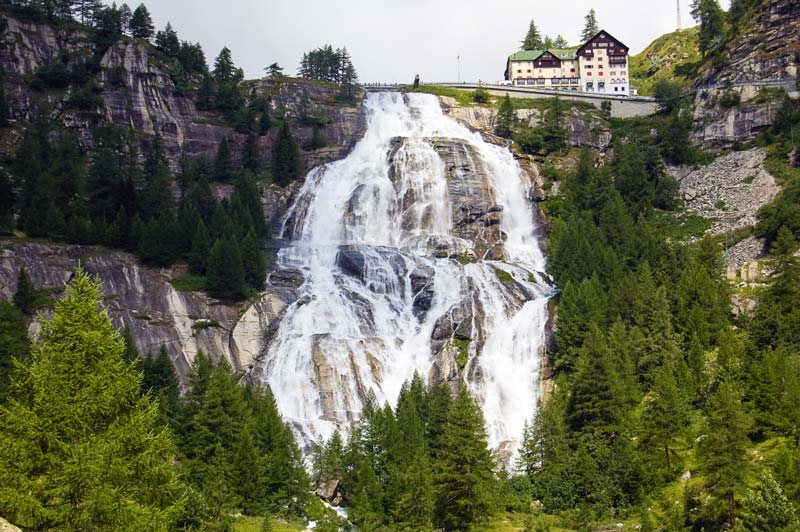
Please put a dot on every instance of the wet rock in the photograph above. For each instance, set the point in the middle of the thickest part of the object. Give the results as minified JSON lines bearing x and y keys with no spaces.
{"x":351,"y":260}
{"x":422,"y":289}
{"x":328,"y":489}
{"x":289,"y":277}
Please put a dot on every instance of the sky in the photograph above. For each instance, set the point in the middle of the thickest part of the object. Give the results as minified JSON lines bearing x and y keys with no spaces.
{"x":392,"y":40}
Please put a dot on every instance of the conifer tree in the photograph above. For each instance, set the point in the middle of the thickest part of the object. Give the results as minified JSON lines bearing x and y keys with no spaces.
{"x":167,"y":41}
{"x":286,"y":163}
{"x":13,"y":344}
{"x":80,"y":448}
{"x":595,"y":404}
{"x":223,"y":166}
{"x":590,"y":27}
{"x":141,"y":25}
{"x":505,"y":118}
{"x":665,"y":413}
{"x":160,"y":380}
{"x":533,"y":39}
{"x":254,"y":262}
{"x":724,"y":449}
{"x":224,"y":270}
{"x":712,"y":25}
{"x":25,"y":296}
{"x":464,"y":480}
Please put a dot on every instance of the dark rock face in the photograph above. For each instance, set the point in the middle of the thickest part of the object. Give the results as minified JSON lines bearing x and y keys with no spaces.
{"x":422,"y":288}
{"x":351,"y":260}
{"x":143,"y":300}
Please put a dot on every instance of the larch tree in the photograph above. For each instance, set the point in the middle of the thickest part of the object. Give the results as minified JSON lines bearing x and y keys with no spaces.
{"x":79,"y":445}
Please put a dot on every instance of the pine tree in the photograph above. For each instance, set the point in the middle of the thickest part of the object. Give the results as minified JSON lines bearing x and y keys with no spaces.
{"x":665,"y":413}
{"x":254,"y":262}
{"x":167,"y":41}
{"x":155,"y":199}
{"x":505,"y":118}
{"x":724,"y":449}
{"x":4,"y":110}
{"x":13,"y":344}
{"x":464,"y":480}
{"x":80,"y":448}
{"x":591,"y":27}
{"x":560,"y":42}
{"x":223,"y":166}
{"x":533,"y":39}
{"x":141,"y":25}
{"x":247,"y":477}
{"x":595,"y":403}
{"x":160,"y":380}
{"x":25,"y":297}
{"x":286,"y":163}
{"x":224,"y":68}
{"x":87,"y":10}
{"x":224,"y":270}
{"x":712,"y":25}
{"x":200,"y":248}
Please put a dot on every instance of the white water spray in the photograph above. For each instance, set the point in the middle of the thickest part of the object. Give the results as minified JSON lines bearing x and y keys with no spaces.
{"x":364,"y":230}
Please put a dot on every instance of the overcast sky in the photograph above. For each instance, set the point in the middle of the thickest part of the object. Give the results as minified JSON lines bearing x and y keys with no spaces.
{"x":391,"y":40}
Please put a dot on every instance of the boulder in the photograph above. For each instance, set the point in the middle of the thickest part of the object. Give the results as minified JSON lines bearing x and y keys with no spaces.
{"x":351,"y":260}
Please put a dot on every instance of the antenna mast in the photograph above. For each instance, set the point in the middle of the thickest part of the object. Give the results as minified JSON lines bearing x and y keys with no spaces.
{"x":678,"y":4}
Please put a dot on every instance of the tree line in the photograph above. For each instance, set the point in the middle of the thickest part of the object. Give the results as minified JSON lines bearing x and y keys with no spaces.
{"x":535,"y":41}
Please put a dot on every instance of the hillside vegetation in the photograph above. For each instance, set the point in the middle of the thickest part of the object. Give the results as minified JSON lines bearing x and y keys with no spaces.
{"x":673,"y":56}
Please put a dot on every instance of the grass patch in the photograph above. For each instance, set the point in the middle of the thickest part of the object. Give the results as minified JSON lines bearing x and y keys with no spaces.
{"x":188,"y":283}
{"x":463,"y":96}
{"x":504,"y":276}
{"x":682,"y":225}
{"x":464,"y":259}
{"x":779,"y":166}
{"x":254,"y":524}
{"x":463,"y":351}
{"x":204,"y":323}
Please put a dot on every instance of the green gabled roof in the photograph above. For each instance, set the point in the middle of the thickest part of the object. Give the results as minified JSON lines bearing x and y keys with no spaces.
{"x":564,"y":53}
{"x":532,"y":55}
{"x":525,"y":55}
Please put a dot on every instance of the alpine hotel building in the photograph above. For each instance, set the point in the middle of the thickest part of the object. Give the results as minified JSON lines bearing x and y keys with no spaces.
{"x":599,"y":65}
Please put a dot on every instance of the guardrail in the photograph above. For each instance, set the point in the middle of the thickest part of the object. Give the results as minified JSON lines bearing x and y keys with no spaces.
{"x":514,"y":88}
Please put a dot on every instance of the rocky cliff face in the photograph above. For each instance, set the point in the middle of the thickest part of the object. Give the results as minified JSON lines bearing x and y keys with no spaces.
{"x":720,"y":127}
{"x":138,"y":93}
{"x":767,"y":48}
{"x":143,"y":300}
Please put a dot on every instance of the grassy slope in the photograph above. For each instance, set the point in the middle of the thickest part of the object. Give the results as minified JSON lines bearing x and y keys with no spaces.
{"x":671,"y":56}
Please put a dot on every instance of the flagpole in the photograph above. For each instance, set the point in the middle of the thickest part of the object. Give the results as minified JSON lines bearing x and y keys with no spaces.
{"x":458,"y":60}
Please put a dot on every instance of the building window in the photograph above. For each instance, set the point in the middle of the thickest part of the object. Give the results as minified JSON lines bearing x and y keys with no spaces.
{"x":589,"y":66}
{"x":529,"y":71}
{"x":589,"y":74}
{"x":519,"y":71}
{"x":613,"y":73}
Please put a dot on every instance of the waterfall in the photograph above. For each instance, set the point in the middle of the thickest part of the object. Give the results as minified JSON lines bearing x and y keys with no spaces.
{"x":405,"y":273}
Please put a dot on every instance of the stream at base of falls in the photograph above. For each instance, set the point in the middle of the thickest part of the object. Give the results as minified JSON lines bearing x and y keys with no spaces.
{"x":419,"y":254}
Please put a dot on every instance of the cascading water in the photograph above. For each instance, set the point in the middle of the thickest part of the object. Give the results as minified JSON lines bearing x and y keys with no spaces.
{"x":374,"y":236}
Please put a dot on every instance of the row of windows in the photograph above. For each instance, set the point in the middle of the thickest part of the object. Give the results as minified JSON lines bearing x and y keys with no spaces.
{"x":542,"y":81}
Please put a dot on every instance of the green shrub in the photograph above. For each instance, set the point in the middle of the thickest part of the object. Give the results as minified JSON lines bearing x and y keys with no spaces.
{"x":480,"y":96}
{"x":730,"y":99}
{"x":52,"y":75}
